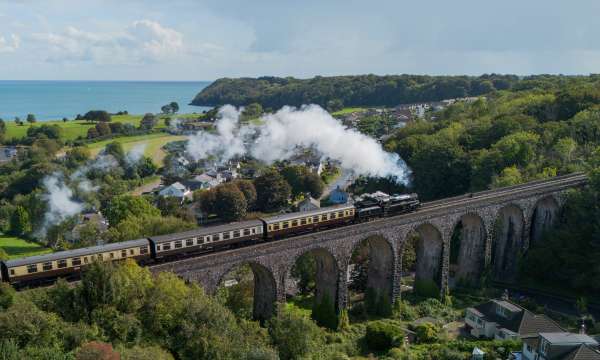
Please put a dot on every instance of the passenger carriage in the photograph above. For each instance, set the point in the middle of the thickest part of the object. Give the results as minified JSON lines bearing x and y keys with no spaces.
{"x":206,"y":238}
{"x":302,"y":222}
{"x":70,"y":262}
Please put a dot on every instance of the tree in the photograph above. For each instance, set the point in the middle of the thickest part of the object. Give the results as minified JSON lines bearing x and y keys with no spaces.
{"x":509,"y":176}
{"x":92,"y":133}
{"x":382,"y":335}
{"x":174,"y":107}
{"x":98,"y":116}
{"x":20,"y":224}
{"x":252,"y":111}
{"x":166,"y":109}
{"x":272,"y":191}
{"x":97,"y":350}
{"x":115,"y":149}
{"x":146,"y":167}
{"x":2,"y":129}
{"x":207,"y":200}
{"x":103,"y":129}
{"x":295,"y":336}
{"x":148,"y":121}
{"x":31,"y":118}
{"x":123,"y":206}
{"x":77,"y":156}
{"x":230,"y":204}
{"x":249,"y":191}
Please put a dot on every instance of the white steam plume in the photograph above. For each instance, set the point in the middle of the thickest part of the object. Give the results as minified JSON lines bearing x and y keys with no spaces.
{"x":226,"y":143}
{"x":280,"y":135}
{"x":134,"y":155}
{"x":60,"y":200}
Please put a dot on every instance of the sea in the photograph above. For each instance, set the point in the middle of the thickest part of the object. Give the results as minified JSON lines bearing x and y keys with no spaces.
{"x":54,"y":100}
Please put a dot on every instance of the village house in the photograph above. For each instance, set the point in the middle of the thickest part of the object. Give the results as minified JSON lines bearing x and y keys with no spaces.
{"x":95,"y":219}
{"x":501,"y":319}
{"x":8,"y":153}
{"x":309,"y":204}
{"x":559,"y":346}
{"x":177,"y":190}
{"x":338,"y":196}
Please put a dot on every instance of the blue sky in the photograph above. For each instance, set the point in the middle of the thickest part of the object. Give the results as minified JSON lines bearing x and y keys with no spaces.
{"x":207,"y":39}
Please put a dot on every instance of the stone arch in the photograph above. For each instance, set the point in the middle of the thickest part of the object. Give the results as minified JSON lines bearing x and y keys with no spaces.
{"x":327,"y":272}
{"x":467,"y":248}
{"x":265,"y":289}
{"x":380,"y":271}
{"x":508,"y":242}
{"x":543,"y":218}
{"x":429,"y":253}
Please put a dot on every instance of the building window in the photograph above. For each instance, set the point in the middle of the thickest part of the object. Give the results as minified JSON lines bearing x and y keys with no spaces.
{"x":47,"y":266}
{"x":76,"y":261}
{"x":32,"y":268}
{"x":143,"y":250}
{"x":61,"y":263}
{"x":189,"y":242}
{"x":178,"y":244}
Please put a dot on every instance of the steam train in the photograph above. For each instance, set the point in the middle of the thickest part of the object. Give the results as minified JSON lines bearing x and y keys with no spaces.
{"x":69,"y":264}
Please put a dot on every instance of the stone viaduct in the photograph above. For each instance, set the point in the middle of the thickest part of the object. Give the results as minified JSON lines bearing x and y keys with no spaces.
{"x":494,"y":227}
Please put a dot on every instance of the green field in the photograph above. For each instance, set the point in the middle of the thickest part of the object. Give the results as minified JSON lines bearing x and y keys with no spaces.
{"x":348,"y":110}
{"x":16,"y":247}
{"x":153,"y":142}
{"x":73,"y":129}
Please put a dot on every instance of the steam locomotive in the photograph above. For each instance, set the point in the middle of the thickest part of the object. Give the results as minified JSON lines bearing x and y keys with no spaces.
{"x":69,"y":264}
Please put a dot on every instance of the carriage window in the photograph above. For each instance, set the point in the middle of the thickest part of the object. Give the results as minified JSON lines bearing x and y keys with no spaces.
{"x":189,"y":242}
{"x":341,"y":214}
{"x":12,"y":271}
{"x":315,"y":219}
{"x":167,"y":246}
{"x":32,"y":268}
{"x":276,"y":227}
{"x":112,"y":256}
{"x":248,"y":232}
{"x":303,"y":221}
{"x":285,"y":225}
{"x":100,"y":256}
{"x":295,"y":223}
{"x":178,"y":244}
{"x":236,"y":234}
{"x":62,"y":263}
{"x":207,"y":239}
{"x":131,"y":251}
{"x":226,"y":235}
{"x":143,"y":250}
{"x":123,"y":253}
{"x":47,"y":266}
{"x":76,"y":261}
{"x":85,"y":260}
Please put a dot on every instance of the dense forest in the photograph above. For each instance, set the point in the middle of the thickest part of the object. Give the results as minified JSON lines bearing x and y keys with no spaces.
{"x":344,"y":91}
{"x":512,"y":137}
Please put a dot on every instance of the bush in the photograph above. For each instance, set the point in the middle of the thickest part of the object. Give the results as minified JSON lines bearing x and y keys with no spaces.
{"x":427,"y":333}
{"x":382,"y":335}
{"x":404,"y":311}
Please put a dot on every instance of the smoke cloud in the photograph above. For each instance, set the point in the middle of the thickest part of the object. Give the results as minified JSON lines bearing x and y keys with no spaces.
{"x":282,"y":133}
{"x":60,"y":200}
{"x":135,"y":154}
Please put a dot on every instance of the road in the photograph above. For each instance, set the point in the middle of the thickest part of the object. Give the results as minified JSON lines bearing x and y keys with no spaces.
{"x":343,"y":181}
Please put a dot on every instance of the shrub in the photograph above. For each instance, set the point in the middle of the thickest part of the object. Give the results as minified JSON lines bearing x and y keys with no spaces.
{"x":427,"y":333}
{"x":382,"y":335}
{"x":404,"y":311}
{"x":324,"y":313}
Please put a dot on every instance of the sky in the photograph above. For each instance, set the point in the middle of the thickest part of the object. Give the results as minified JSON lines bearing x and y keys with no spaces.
{"x":209,"y":39}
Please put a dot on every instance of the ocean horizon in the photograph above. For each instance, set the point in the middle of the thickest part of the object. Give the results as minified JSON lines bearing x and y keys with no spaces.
{"x":57,"y":99}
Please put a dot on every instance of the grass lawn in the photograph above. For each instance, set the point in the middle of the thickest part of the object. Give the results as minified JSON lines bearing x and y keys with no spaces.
{"x":73,"y":129}
{"x":16,"y":247}
{"x":348,"y":110}
{"x":153,"y":142}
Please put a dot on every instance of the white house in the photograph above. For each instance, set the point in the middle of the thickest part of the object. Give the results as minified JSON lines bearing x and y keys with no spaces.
{"x":560,"y":346}
{"x":309,"y":204}
{"x":177,"y":190}
{"x":502,"y":320}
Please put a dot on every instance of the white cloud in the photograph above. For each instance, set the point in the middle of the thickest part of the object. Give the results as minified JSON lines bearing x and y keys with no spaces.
{"x":9,"y":45}
{"x":143,"y":41}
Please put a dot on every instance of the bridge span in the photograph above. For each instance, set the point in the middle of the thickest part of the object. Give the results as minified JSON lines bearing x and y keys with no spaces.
{"x":495,"y":228}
